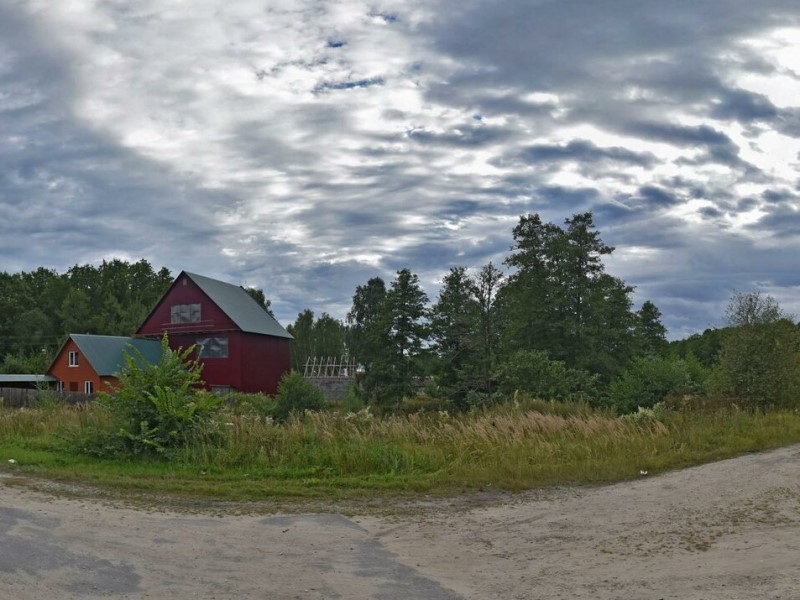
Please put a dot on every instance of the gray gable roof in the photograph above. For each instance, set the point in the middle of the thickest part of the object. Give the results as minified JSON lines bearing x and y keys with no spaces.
{"x":248,"y":315}
{"x":105,"y":352}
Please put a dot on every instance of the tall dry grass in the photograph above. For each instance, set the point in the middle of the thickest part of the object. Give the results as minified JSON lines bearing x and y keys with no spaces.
{"x":509,"y":449}
{"x":514,"y":446}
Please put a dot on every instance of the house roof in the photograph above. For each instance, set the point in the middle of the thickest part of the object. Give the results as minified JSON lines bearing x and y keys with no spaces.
{"x":106,"y":352}
{"x":240,"y":307}
{"x":25,"y":378}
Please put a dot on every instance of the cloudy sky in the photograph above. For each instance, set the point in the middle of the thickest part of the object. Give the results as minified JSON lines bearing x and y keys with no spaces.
{"x":304,"y":146}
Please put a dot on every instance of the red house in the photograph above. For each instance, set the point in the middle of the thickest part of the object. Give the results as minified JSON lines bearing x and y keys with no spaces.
{"x":242,"y":347}
{"x":90,"y":363}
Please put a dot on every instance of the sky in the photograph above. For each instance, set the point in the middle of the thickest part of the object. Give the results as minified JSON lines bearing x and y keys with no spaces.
{"x":305,"y":146}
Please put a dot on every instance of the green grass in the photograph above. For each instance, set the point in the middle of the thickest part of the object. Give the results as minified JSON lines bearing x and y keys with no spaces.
{"x":330,"y":455}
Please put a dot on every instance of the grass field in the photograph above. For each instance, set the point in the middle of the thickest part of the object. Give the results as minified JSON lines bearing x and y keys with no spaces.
{"x":513,"y":447}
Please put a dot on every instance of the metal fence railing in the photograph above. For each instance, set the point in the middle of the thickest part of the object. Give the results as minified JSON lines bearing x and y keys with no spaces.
{"x":329,"y":366}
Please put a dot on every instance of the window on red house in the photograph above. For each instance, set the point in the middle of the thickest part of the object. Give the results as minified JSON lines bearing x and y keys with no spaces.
{"x":212,"y":347}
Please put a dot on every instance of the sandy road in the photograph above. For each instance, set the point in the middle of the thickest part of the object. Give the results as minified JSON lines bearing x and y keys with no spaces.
{"x":728,"y":530}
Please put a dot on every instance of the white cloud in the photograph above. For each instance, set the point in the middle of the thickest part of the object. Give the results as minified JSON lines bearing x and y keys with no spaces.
{"x":286,"y":141}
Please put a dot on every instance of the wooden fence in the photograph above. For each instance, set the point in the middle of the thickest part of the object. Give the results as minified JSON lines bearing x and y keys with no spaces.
{"x":26,"y":397}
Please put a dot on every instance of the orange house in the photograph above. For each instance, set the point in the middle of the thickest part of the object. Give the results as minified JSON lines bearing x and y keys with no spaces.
{"x":90,"y":363}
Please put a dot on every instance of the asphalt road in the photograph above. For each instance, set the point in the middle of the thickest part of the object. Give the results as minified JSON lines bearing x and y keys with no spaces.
{"x":728,"y":530}
{"x":67,"y":549}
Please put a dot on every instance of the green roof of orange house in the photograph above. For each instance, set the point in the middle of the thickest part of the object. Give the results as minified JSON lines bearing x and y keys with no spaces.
{"x":106,"y":352}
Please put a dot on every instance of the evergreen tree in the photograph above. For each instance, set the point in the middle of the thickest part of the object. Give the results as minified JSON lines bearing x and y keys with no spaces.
{"x":561,"y":301}
{"x":363,"y":335}
{"x":401,"y":329}
{"x":650,"y":333}
{"x":455,"y":330}
{"x":487,"y":287}
{"x":524,"y":300}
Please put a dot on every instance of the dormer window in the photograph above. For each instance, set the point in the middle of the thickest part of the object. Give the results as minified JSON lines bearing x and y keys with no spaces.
{"x":73,"y":358}
{"x":185,"y":313}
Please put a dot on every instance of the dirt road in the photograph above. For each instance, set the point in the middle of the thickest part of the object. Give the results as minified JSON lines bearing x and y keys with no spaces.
{"x":728,"y":530}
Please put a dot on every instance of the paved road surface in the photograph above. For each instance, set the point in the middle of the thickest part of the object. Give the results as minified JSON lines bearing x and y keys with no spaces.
{"x":45,"y":552}
{"x":729,"y":530}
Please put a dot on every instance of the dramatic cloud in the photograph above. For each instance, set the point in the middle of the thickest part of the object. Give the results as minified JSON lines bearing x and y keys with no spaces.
{"x":304,"y":146}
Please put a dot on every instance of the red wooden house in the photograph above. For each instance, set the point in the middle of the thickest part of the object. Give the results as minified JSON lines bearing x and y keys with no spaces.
{"x":242,"y":347}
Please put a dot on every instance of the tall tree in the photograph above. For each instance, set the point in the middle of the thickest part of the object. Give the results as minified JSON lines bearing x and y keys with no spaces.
{"x":650,"y":333}
{"x":753,"y":308}
{"x":328,"y":337}
{"x":487,"y":286}
{"x":402,"y":328}
{"x":13,"y":302}
{"x":561,"y":301}
{"x":759,"y":363}
{"x":302,"y":331}
{"x":76,"y":312}
{"x":525,"y":299}
{"x":455,"y":328}
{"x":363,"y":336}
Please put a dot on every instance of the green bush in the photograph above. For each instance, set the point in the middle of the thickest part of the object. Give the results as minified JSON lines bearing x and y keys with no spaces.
{"x":297,"y":394}
{"x":157,"y":408}
{"x":650,"y":379}
{"x":240,"y":403}
{"x":532,"y":372}
{"x":759,"y":365}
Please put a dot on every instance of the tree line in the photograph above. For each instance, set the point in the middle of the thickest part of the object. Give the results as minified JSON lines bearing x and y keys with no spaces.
{"x":549,"y":322}
{"x":38,"y":309}
{"x":554,"y":325}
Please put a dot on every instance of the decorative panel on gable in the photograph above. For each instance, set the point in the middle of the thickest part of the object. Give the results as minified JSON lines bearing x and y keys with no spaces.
{"x":185,"y":313}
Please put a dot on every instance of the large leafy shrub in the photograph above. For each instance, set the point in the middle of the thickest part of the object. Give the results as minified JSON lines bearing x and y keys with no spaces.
{"x":158,"y":407}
